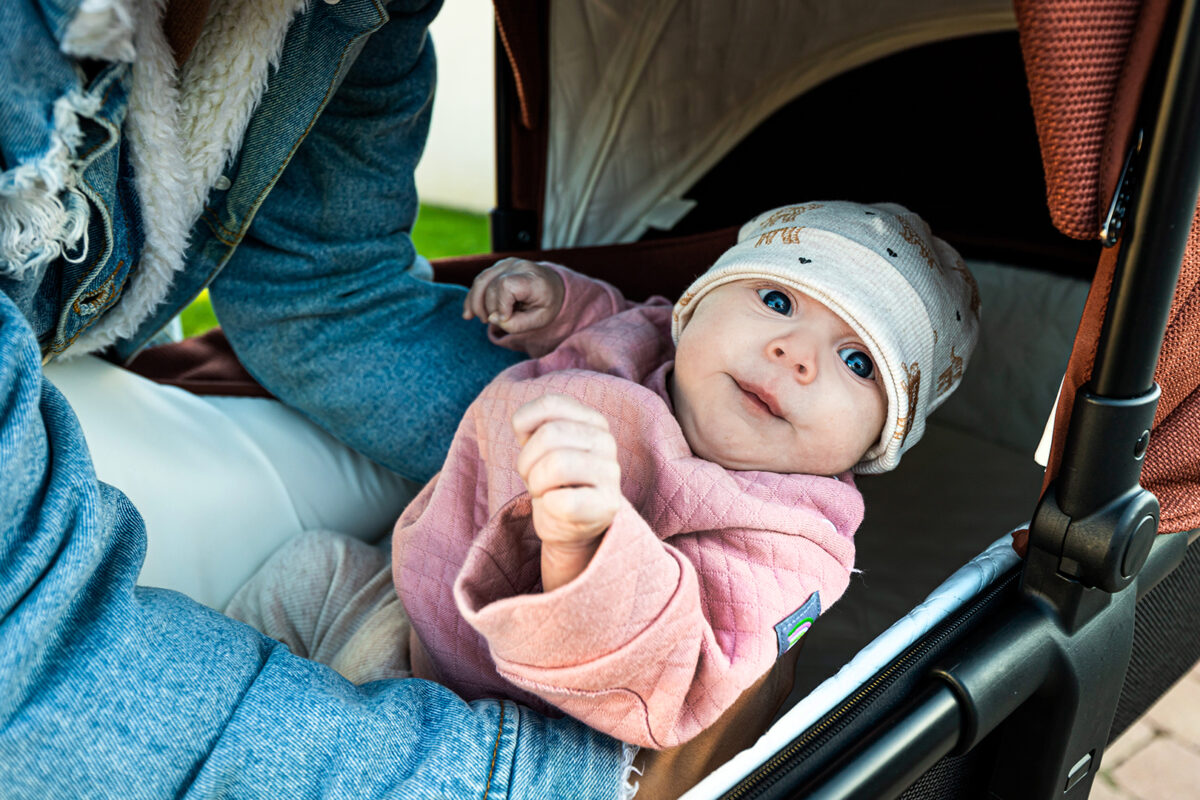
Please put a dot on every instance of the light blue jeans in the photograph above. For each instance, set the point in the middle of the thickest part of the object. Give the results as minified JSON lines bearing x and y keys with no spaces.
{"x":112,"y":690}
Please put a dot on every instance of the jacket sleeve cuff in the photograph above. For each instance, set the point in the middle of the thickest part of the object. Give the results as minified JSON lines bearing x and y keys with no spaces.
{"x":630,"y":583}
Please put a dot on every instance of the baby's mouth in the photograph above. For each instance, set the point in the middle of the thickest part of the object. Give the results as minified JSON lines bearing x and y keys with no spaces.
{"x":759,"y":398}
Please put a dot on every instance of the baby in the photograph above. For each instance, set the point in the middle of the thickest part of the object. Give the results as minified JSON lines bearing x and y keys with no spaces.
{"x":634,"y":525}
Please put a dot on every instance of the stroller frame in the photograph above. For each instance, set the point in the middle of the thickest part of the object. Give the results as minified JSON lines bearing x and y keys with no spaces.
{"x":1041,"y":659}
{"x":1043,"y":670}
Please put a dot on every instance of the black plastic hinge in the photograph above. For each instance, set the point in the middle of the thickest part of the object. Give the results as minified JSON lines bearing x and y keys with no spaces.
{"x":1104,"y":549}
{"x":1095,"y":523}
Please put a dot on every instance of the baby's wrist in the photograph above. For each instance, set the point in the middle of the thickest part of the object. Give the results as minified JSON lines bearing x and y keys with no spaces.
{"x":564,"y":562}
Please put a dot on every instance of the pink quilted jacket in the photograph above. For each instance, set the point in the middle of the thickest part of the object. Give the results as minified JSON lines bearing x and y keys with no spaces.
{"x":692,"y":593}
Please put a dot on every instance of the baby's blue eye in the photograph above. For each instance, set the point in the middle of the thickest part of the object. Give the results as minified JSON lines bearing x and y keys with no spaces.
{"x":858,"y":362}
{"x":776,"y":300}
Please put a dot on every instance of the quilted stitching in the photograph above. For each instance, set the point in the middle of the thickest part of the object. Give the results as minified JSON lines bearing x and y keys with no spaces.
{"x":675,"y":614}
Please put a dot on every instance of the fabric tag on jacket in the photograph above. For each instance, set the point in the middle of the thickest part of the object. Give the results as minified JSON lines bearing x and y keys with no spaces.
{"x":792,"y":628}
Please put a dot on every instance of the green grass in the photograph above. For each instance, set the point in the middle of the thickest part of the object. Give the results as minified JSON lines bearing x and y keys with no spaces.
{"x":439,"y":233}
{"x":198,"y":317}
{"x":443,"y":232}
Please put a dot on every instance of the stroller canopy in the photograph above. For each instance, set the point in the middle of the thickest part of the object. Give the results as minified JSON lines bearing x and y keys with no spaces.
{"x":643,"y":98}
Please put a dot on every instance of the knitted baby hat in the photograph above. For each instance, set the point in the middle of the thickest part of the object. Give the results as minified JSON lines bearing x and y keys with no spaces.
{"x":907,"y":293}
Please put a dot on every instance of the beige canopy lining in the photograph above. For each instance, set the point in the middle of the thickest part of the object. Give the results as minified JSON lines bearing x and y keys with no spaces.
{"x":645,"y":97}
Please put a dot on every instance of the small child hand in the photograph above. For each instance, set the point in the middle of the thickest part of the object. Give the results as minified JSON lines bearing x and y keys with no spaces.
{"x":515,"y":295}
{"x":569,"y":464}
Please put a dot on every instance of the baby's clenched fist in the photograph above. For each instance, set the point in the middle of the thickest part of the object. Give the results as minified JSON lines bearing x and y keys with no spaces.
{"x":515,"y":295}
{"x":568,"y":461}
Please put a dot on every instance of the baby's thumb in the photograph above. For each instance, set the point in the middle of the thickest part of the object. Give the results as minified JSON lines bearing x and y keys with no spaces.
{"x":501,"y":304}
{"x":529,"y":319}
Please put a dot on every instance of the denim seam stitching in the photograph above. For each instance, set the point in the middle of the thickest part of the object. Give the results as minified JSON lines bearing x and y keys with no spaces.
{"x":103,"y":102}
{"x":98,"y":199}
{"x":91,"y":150}
{"x":216,"y":220}
{"x":308,"y":128}
{"x":495,"y":749}
{"x":220,"y":235}
{"x":100,"y":312}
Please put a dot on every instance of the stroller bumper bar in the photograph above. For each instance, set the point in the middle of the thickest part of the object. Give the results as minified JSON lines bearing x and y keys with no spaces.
{"x":1008,"y":669}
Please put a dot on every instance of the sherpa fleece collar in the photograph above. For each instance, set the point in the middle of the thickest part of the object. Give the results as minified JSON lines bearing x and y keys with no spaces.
{"x":183,"y":125}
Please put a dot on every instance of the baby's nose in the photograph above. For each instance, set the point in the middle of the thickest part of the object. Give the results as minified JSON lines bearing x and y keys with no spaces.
{"x":797,"y":356}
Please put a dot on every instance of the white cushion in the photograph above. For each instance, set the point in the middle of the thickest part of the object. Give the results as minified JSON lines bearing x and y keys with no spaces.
{"x":221,"y":481}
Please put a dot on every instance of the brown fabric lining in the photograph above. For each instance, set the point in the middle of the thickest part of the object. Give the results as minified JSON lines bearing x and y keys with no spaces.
{"x":1083,"y":355}
{"x":202,"y":365}
{"x":669,"y":773}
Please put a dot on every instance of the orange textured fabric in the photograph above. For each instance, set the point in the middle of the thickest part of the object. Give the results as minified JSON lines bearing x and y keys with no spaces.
{"x":1172,"y":469}
{"x":1075,"y":51}
{"x":1172,"y":465}
{"x":1087,"y":62}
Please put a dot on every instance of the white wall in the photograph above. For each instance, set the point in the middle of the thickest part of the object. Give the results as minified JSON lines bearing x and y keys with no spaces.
{"x":458,"y":169}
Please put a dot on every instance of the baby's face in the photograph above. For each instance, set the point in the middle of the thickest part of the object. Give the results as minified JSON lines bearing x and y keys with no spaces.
{"x":767,"y":378}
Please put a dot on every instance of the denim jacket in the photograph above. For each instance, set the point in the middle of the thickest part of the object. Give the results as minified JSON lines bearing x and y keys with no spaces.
{"x":110,"y":689}
{"x":72,"y":230}
{"x":301,"y":233}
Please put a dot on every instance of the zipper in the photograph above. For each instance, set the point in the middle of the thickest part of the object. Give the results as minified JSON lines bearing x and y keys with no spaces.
{"x":845,"y":713}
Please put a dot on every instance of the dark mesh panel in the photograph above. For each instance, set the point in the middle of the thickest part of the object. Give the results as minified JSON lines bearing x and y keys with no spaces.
{"x":1166,"y":641}
{"x":962,"y":777}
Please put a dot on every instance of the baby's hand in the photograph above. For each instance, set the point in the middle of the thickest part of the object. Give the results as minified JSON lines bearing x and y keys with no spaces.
{"x":515,"y":295}
{"x":569,"y":464}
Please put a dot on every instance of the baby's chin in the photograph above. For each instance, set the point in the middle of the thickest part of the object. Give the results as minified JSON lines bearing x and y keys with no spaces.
{"x":749,"y":459}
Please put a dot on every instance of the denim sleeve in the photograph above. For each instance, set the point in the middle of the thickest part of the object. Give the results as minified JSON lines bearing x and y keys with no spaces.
{"x":111,"y":690}
{"x":324,"y":300}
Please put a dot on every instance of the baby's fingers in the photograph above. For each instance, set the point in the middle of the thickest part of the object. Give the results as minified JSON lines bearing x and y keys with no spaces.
{"x":502,"y":295}
{"x":475,"y":304}
{"x":531,"y":416}
{"x":564,"y":468}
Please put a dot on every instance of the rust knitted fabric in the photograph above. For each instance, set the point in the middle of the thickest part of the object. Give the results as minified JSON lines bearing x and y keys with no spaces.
{"x":1172,"y":468}
{"x":1074,"y":52}
{"x":1086,"y":62}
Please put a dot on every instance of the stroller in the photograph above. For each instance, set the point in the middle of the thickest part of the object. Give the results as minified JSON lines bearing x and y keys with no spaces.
{"x":633,"y":136}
